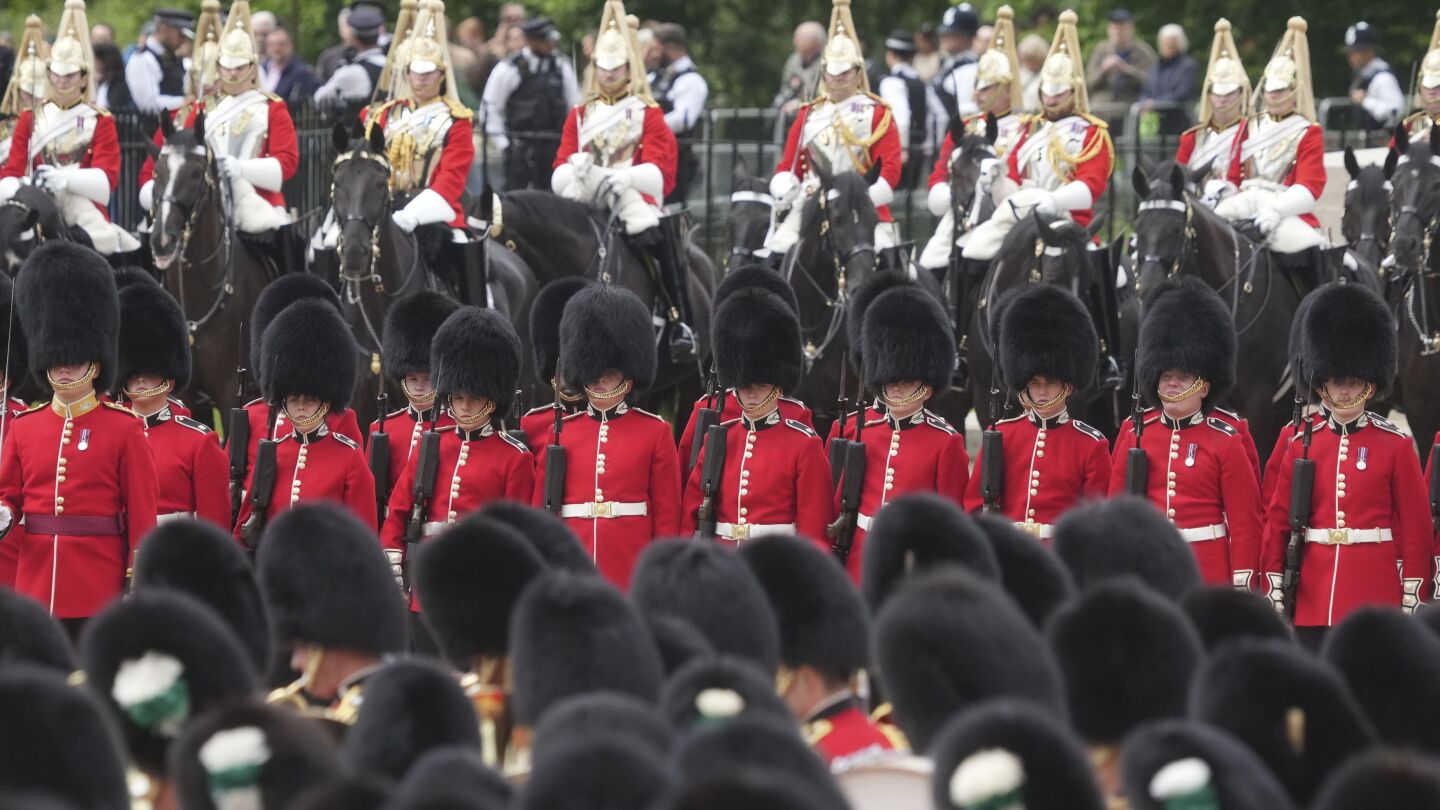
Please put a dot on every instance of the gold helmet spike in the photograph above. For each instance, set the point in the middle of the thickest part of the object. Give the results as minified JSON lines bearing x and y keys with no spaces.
{"x":1226,"y":72}
{"x":1430,"y":67}
{"x":1289,"y":68}
{"x":1000,"y":64}
{"x":71,"y":52}
{"x":386,"y":87}
{"x":842,"y":49}
{"x":427,"y":49}
{"x":618,"y":46}
{"x":28,"y":75}
{"x":1064,"y":69}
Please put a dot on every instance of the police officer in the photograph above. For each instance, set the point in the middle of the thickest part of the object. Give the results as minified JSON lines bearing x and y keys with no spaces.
{"x":681,"y":92}
{"x":155,"y":74}
{"x":1374,"y":89}
{"x":356,"y":79}
{"x":954,"y":83}
{"x":525,"y":100}
{"x":909,"y":99}
{"x":410,"y":326}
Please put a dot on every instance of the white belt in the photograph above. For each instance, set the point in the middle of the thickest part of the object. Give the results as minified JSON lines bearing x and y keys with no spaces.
{"x":752,"y":531}
{"x":1202,"y":533}
{"x":433,"y":528}
{"x":1344,"y":537}
{"x":173,"y":516}
{"x":863,"y":521}
{"x":604,"y":509}
{"x":1040,"y":531}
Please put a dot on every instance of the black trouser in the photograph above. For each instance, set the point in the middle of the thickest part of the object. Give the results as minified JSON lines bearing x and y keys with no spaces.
{"x":528,"y":163}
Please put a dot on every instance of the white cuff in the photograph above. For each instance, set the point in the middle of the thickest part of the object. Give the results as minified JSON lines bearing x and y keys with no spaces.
{"x":881,"y":193}
{"x":783,"y":183}
{"x":939,"y":199}
{"x":429,"y":207}
{"x":262,"y":173}
{"x":147,"y":196}
{"x":8,"y":187}
{"x":1073,"y":196}
{"x":92,"y":184}
{"x":1002,"y":188}
{"x":562,"y":177}
{"x":647,"y":179}
{"x":1294,"y":201}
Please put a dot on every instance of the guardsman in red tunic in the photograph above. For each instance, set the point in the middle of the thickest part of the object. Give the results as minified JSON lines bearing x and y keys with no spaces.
{"x":824,"y":645}
{"x":545,"y":314}
{"x":1199,"y":475}
{"x":1048,"y":351}
{"x":848,"y":129}
{"x":68,"y":145}
{"x":76,"y":469}
{"x":410,"y":327}
{"x":15,"y":369}
{"x":1427,"y":93}
{"x":909,"y":354}
{"x":854,"y":337}
{"x":776,"y":480}
{"x":1369,"y":540}
{"x":476,"y":362}
{"x":191,"y":471}
{"x":309,"y":370}
{"x":1213,"y":145}
{"x":1282,"y":153}
{"x":622,"y":478}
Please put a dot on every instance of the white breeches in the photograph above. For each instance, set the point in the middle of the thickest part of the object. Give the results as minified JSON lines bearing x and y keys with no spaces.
{"x":936,"y":255}
{"x":252,"y":213}
{"x":987,"y":237}
{"x":1292,"y":235}
{"x":637,"y":214}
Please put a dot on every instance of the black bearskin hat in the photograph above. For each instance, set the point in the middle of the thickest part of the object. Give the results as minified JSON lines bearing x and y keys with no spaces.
{"x":273,"y":299}
{"x":410,"y":707}
{"x":15,"y":354}
{"x":470,"y":578}
{"x":477,"y":352}
{"x":30,"y":635}
{"x":69,"y":311}
{"x":154,"y":337}
{"x":1383,"y":777}
{"x":907,"y":336}
{"x":602,"y":713}
{"x":752,"y":277}
{"x":1029,"y":571}
{"x":202,"y":560}
{"x":719,"y":689}
{"x":1167,"y":759}
{"x":1011,"y":748}
{"x":1390,"y":662}
{"x":573,"y":634}
{"x":822,"y":619}
{"x":545,"y":315}
{"x":746,"y":787}
{"x":289,"y":755}
{"x":410,"y":326}
{"x":760,"y":742}
{"x":1292,"y":709}
{"x":1126,"y":536}
{"x":156,"y":660}
{"x":865,"y":294}
{"x":556,"y":542}
{"x":596,"y":772}
{"x":709,"y":586}
{"x":952,"y":640}
{"x":919,"y":532}
{"x":346,"y":792}
{"x":1046,"y":331}
{"x":309,"y":350}
{"x":1223,"y":614}
{"x":756,"y":340}
{"x":452,"y":779}
{"x":1127,"y":655}
{"x":1186,"y":327}
{"x":59,"y":742}
{"x":327,"y":582}
{"x":1348,"y":332}
{"x":677,"y":641}
{"x":606,"y":328}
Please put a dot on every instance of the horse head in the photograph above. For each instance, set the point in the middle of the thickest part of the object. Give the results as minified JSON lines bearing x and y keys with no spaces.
{"x":1062,"y":252}
{"x":973,"y":156}
{"x":748,"y":220}
{"x":360,"y":197}
{"x":845,"y":219}
{"x":1166,"y":211}
{"x":27,"y":219}
{"x":1414,"y":200}
{"x":184,"y":181}
{"x":1366,"y":222}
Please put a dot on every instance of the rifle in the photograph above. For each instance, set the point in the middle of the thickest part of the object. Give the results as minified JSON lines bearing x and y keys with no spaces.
{"x":1434,"y":469}
{"x":380,"y":457}
{"x":1302,"y":488}
{"x":427,"y":466}
{"x":710,"y":475}
{"x":839,"y":444}
{"x":704,"y":420}
{"x":263,"y":487}
{"x":992,"y":449}
{"x":1137,"y":464}
{"x":852,"y":484}
{"x":554,"y":492}
{"x":513,"y":425}
{"x":237,"y":438}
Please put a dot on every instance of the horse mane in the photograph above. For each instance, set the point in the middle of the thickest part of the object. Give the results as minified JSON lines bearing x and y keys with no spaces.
{"x":1021,"y":238}
{"x":533,"y":204}
{"x":1370,"y":186}
{"x":845,"y":186}
{"x":186,"y":138}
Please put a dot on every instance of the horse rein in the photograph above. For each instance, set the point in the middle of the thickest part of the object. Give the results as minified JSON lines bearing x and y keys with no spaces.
{"x":836,"y":304}
{"x":226,"y":286}
{"x":740,"y":252}
{"x":1429,"y":343}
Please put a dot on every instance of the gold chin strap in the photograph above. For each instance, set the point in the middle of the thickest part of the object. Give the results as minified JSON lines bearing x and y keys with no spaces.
{"x":920,"y":393}
{"x":565,"y":394}
{"x":1027,"y":402}
{"x":304,"y":425}
{"x":477,"y":420}
{"x":85,"y":379}
{"x":763,"y":408}
{"x":162,"y":388}
{"x":1183,"y":395}
{"x":1359,"y":400}
{"x":784,"y":679}
{"x":423,"y":399}
{"x":622,"y":390}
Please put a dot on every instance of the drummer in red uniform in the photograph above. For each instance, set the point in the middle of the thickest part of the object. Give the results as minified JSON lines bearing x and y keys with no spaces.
{"x":1213,"y":145}
{"x":776,"y":480}
{"x":77,"y":469}
{"x":1199,"y":475}
{"x":1048,"y":351}
{"x":191,"y":470}
{"x":1369,"y":513}
{"x":622,"y":477}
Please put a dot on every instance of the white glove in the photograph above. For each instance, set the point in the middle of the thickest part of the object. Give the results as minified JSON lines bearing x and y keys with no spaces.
{"x":405,"y":221}
{"x":617,"y":183}
{"x":147,"y":196}
{"x":1045,"y":204}
{"x":581,"y":163}
{"x":881,"y":193}
{"x":1294,"y":201}
{"x":51,"y":178}
{"x":263,"y":172}
{"x":227,"y":166}
{"x":8,"y":187}
{"x":1073,"y":196}
{"x":940,"y":199}
{"x":646,"y":179}
{"x":396,"y":558}
{"x":1266,"y":219}
{"x":7,"y":519}
{"x":1217,"y":190}
{"x":426,"y":208}
{"x":783,"y":187}
{"x":1276,"y":592}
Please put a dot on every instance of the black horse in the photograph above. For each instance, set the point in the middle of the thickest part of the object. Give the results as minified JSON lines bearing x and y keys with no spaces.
{"x":202,"y":262}
{"x":1366,"y":222}
{"x":28,"y":219}
{"x":1415,"y":214}
{"x":748,"y":220}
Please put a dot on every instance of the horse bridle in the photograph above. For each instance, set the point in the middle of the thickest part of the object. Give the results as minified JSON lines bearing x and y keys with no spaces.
{"x":1187,"y":237}
{"x":740,"y":252}
{"x":836,"y":304}
{"x":1429,"y":342}
{"x":39,"y":228}
{"x":226,"y":287}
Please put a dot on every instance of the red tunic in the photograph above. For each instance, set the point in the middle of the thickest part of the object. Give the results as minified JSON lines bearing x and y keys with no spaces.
{"x":1242,"y":427}
{"x":789,"y":409}
{"x":404,"y":427}
{"x":1094,"y":172}
{"x":192,"y":471}
{"x":923,"y":453}
{"x":775,"y":477}
{"x":320,"y":466}
{"x":1308,"y":170}
{"x":1200,"y":478}
{"x":656,"y":147}
{"x":871,"y":414}
{"x":1277,"y":458}
{"x":342,"y":422}
{"x":941,"y":172}
{"x":843,"y":735}
{"x":480,"y":466}
{"x":279,"y":143}
{"x":96,"y":465}
{"x":886,"y":150}
{"x":1050,"y":466}
{"x":1233,"y":172}
{"x":620,"y":459}
{"x":9,"y":549}
{"x":1367,"y":477}
{"x":539,"y":426}
{"x":448,"y":178}
{"x":102,"y":153}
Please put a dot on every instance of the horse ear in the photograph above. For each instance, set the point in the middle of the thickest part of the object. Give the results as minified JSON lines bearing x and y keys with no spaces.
{"x":200,"y":127}
{"x":1351,"y":164}
{"x":740,"y":172}
{"x":992,"y":129}
{"x":957,"y":130}
{"x":874,"y":173}
{"x":377,"y":140}
{"x":1177,"y":181}
{"x":1047,"y":234}
{"x":1140,"y":183}
{"x":1391,"y":161}
{"x":153,"y":149}
{"x":167,"y":126}
{"x":1198,"y":174}
{"x":1095,"y":224}
{"x":1402,"y":138}
{"x":340,"y":137}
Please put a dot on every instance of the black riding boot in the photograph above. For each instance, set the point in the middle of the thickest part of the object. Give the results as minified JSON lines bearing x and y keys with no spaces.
{"x":1107,"y":372}
{"x":325,"y":263}
{"x":963,"y":271}
{"x":891,"y":259}
{"x":474,"y":281}
{"x":670,"y":276}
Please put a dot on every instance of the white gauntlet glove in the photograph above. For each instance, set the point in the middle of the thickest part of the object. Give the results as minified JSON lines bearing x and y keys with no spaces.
{"x":396,"y":558}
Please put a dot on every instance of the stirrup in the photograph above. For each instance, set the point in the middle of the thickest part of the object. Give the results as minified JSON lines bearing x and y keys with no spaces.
{"x":960,"y":376}
{"x":681,"y":339}
{"x":1107,"y":374}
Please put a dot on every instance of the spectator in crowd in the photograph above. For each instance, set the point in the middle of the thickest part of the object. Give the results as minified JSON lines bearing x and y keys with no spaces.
{"x":283,"y":74}
{"x":7,"y":65}
{"x":156,"y":73}
{"x":927,"y":52}
{"x":1374,"y":89}
{"x":1171,"y":80}
{"x":514,"y":40}
{"x":462,"y":61}
{"x":101,"y":34}
{"x":525,"y":104}
{"x":983,"y":35}
{"x":909,"y":100}
{"x":262,"y":23}
{"x":507,"y":40}
{"x":1032,"y":51}
{"x":334,"y":57}
{"x":111,"y":91}
{"x":955,"y":82}
{"x":681,"y":92}
{"x":355,"y":80}
{"x":649,"y":49}
{"x":802,"y":69}
{"x":471,"y":34}
{"x":1117,"y":70}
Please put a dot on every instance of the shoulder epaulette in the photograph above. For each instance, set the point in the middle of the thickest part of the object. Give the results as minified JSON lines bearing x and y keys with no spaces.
{"x":1195,"y":128}
{"x":1088,"y":430}
{"x":30,"y":410}
{"x":728,"y":422}
{"x":255,"y":401}
{"x":512,"y":441}
{"x":101,"y":111}
{"x":1222,"y":426}
{"x":878,"y":100}
{"x":939,"y":423}
{"x":1011,"y":419}
{"x":458,"y":110}
{"x":194,"y":424}
{"x":269,"y":96}
{"x":1095,"y":122}
{"x":795,"y":424}
{"x":539,"y":408}
{"x":567,"y":417}
{"x":1148,"y":418}
{"x":1387,"y":426}
{"x":345,"y":440}
{"x":656,"y":417}
{"x":446,"y":428}
{"x":794,"y":401}
{"x":1226,"y":412}
{"x":115,"y":406}
{"x":897,"y":738}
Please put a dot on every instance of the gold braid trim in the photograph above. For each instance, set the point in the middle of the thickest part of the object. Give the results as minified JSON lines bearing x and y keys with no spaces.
{"x":858,"y":145}
{"x":1064,"y":165}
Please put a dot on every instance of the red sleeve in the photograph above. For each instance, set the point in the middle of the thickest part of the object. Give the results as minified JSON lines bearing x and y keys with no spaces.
{"x":281,"y":140}
{"x":1277,"y":518}
{"x":1237,"y":169}
{"x":147,"y":169}
{"x":12,"y":484}
{"x":1097,"y":471}
{"x":1273,"y":464}
{"x":1187,"y":147}
{"x":886,"y":151}
{"x":972,"y":500}
{"x":790,"y":160}
{"x":455,"y":159}
{"x":397,"y":511}
{"x":691,"y":496}
{"x":360,"y":489}
{"x":1012,"y":160}
{"x":687,"y":440}
{"x":658,"y":147}
{"x":569,"y":138}
{"x":1095,"y":172}
{"x":520,"y":483}
{"x":105,"y":149}
{"x":1251,"y":453}
{"x":19,"y":158}
{"x":664,"y":484}
{"x":1411,"y":521}
{"x":941,"y":172}
{"x":211,"y":470}
{"x":1240,"y":496}
{"x":137,"y":471}
{"x":1309,"y":170}
{"x":814,"y":508}
{"x":374,"y":428}
{"x":537,"y":498}
{"x":952,"y":476}
{"x":1124,"y":440}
